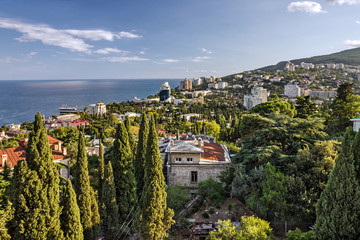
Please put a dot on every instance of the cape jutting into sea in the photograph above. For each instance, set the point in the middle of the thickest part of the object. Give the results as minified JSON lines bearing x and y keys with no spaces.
{"x":21,"y":100}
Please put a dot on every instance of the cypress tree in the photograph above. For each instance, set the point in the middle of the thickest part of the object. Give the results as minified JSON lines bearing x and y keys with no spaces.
{"x":155,"y":218}
{"x":110,"y":209}
{"x":141,"y":153}
{"x":338,"y":209}
{"x":95,"y":215}
{"x":101,"y":168}
{"x":70,"y":216}
{"x":356,"y":152}
{"x":39,"y":162}
{"x":125,"y":181}
{"x":29,"y":198}
{"x":84,"y":190}
{"x":131,"y":135}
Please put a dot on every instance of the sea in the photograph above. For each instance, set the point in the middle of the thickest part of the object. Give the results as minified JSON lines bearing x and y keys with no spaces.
{"x":21,"y":100}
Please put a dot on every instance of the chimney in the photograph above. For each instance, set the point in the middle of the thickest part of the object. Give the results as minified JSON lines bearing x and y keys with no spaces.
{"x":59,"y":146}
{"x":3,"y":159}
{"x":200,"y":142}
{"x":64,"y":151}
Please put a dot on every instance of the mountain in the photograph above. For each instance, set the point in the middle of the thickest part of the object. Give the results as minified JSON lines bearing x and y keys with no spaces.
{"x":349,"y":57}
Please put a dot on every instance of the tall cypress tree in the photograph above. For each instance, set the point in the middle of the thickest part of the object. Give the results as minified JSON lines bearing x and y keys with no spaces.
{"x":40,"y":165}
{"x":125,"y":181}
{"x":356,"y":152}
{"x":338,"y":209}
{"x":70,"y":216}
{"x":155,"y":217}
{"x":139,"y":163}
{"x":84,"y":190}
{"x":95,"y":215}
{"x":28,"y":197}
{"x":110,"y":209}
{"x":101,"y":168}
{"x":131,"y":135}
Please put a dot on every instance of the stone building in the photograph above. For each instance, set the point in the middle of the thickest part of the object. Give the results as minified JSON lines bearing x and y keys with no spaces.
{"x":186,"y":84}
{"x":194,"y":159}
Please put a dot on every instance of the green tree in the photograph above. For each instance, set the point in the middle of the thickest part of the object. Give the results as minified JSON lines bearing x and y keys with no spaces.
{"x":44,"y":198}
{"x":140,"y":157}
{"x":177,"y":197}
{"x":268,"y":107}
{"x":212,"y":129}
{"x":356,"y":153}
{"x":274,"y":191}
{"x":155,"y":217}
{"x":125,"y":182}
{"x":70,"y":216}
{"x":84,"y":191}
{"x":101,"y":169}
{"x":109,"y":207}
{"x":305,"y":108}
{"x":337,"y":213}
{"x":130,"y":134}
{"x":297,"y":234}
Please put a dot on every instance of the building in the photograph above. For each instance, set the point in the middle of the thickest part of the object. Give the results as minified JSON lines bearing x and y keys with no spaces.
{"x":197,"y":82}
{"x":189,"y":116}
{"x":194,"y":159}
{"x":322,"y":94}
{"x":258,"y":95}
{"x":292,"y":90}
{"x":289,"y":66}
{"x":98,"y":108}
{"x":330,"y":65}
{"x":339,"y":66}
{"x":223,"y":85}
{"x":356,"y":124}
{"x":165,"y":92}
{"x":213,"y":85}
{"x":186,"y":84}
{"x":13,"y":155}
{"x":212,"y":79}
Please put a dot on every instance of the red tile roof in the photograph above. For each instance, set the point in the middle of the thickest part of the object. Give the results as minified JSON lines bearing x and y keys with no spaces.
{"x":213,"y":151}
{"x":16,"y":154}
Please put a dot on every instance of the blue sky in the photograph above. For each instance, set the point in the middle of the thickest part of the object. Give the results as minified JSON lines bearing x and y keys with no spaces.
{"x":64,"y":39}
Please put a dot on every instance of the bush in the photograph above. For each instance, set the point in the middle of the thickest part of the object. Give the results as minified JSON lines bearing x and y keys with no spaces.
{"x":297,"y":234}
{"x":205,"y":215}
{"x":177,"y":197}
{"x":213,"y":190}
{"x":212,"y":210}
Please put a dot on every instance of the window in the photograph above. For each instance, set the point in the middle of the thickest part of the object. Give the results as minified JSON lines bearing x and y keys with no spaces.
{"x":177,"y":159}
{"x":194,"y":176}
{"x":189,"y":159}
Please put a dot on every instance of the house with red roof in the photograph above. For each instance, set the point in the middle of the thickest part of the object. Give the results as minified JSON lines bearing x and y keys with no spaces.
{"x":15,"y":154}
{"x":193,"y":159}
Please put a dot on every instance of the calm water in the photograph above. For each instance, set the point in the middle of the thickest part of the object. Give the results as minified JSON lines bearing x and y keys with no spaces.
{"x":21,"y":100}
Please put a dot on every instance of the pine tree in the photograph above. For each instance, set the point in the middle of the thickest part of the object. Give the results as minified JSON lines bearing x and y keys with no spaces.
{"x":95,"y":215}
{"x":139,"y":163}
{"x":155,"y":217}
{"x":131,"y":135}
{"x":84,"y":191}
{"x":110,"y":209}
{"x":39,"y":162}
{"x":125,"y":181}
{"x":70,"y":217}
{"x":101,"y":168}
{"x":338,"y":209}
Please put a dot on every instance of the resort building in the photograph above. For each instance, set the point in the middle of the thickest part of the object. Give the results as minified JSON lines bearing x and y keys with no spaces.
{"x":98,"y":108}
{"x":186,"y":84}
{"x":165,"y":92}
{"x":258,"y":95}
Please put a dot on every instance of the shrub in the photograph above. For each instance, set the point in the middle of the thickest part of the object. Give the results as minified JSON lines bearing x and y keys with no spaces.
{"x":213,"y":190}
{"x":205,"y":215}
{"x":212,"y":210}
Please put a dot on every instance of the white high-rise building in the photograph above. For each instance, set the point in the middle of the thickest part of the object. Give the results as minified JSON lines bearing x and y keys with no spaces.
{"x":292,"y":90}
{"x":197,"y":81}
{"x":289,"y":66}
{"x":223,"y":85}
{"x":99,"y":108}
{"x":258,"y":95}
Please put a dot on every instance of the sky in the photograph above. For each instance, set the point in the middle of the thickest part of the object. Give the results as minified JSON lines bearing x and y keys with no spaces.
{"x":129,"y":39}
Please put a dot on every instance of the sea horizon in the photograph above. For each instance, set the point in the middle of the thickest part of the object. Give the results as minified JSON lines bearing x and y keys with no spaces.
{"x":22,"y":99}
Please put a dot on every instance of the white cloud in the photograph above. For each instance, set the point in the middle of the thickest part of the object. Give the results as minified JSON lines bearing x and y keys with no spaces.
{"x":142,"y":52}
{"x":357,"y":22}
{"x":170,"y":60}
{"x":31,"y":54}
{"x":206,"y":51}
{"x":353,"y":43}
{"x":71,"y":39}
{"x":8,"y":60}
{"x":341,"y":2}
{"x":200,"y":59}
{"x":110,"y":50}
{"x":124,"y":59}
{"x":305,"y":6}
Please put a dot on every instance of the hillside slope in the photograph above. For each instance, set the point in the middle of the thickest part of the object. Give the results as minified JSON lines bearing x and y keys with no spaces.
{"x":349,"y":57}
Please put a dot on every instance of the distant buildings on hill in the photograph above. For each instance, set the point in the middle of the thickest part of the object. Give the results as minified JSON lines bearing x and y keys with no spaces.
{"x":98,"y":108}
